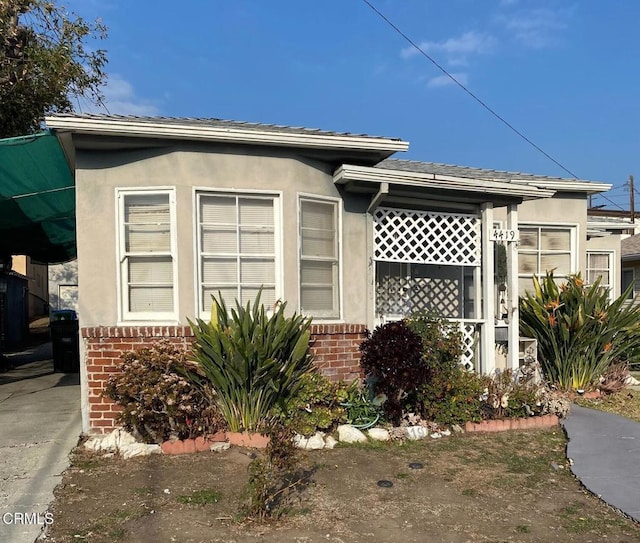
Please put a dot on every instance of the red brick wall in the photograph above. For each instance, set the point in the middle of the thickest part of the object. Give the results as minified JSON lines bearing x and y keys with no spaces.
{"x":335,"y":347}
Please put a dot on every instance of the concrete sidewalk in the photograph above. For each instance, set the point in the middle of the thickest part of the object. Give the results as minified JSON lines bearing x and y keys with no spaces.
{"x":605,"y":450}
{"x":39,"y":425}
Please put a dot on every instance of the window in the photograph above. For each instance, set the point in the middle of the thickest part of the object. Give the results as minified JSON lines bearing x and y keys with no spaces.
{"x":628,"y":278}
{"x":600,"y":265}
{"x":147,"y":255}
{"x":237,"y":248}
{"x":319,"y":258}
{"x":542,"y":249}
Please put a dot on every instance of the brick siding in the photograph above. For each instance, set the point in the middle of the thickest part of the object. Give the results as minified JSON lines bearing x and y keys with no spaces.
{"x":334,"y":346}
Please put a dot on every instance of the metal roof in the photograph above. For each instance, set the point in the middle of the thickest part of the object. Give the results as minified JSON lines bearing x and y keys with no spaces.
{"x":434,"y":168}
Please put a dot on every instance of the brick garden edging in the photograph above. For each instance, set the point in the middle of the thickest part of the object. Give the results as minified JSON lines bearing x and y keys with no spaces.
{"x":545,"y":421}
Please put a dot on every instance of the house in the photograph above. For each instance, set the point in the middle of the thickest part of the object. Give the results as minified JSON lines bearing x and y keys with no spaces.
{"x":38,"y":284}
{"x":170,"y":211}
{"x":630,"y":261}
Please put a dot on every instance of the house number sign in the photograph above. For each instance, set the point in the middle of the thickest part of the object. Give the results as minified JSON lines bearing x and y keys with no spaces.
{"x":504,"y":234}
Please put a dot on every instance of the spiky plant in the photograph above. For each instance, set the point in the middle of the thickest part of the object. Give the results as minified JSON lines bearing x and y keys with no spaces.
{"x":580,"y":332}
{"x":253,"y":361}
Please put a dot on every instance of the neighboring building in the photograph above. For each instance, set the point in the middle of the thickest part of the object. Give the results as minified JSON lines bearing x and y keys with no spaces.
{"x":630,"y":274}
{"x":63,"y":286}
{"x":170,"y":211}
{"x":38,"y":285}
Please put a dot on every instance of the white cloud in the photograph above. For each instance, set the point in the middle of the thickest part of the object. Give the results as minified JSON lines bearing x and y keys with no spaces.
{"x":120,"y":99}
{"x":444,"y":80}
{"x":458,"y":49}
{"x":507,"y":3}
{"x":535,"y":28}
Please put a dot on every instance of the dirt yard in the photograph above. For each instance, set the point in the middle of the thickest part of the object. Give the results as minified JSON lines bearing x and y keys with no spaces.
{"x":508,"y":487}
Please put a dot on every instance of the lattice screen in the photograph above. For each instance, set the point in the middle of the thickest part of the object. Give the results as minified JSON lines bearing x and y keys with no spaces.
{"x":426,"y":237}
{"x":470,"y":343}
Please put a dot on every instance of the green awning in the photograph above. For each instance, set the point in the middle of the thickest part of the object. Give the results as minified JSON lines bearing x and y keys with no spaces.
{"x":37,"y":199}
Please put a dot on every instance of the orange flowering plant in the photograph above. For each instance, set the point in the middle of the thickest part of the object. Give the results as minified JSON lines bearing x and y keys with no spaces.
{"x":580,"y":332}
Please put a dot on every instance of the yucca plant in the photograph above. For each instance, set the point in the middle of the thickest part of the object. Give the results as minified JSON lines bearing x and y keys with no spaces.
{"x":253,"y":361}
{"x":580,"y":332}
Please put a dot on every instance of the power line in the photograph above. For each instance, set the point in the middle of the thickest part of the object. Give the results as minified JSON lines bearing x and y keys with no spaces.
{"x":469,"y":92}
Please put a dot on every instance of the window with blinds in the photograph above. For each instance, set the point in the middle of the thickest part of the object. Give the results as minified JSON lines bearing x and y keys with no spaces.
{"x":147,"y":255}
{"x":599,"y":265}
{"x":237,"y":248}
{"x":319,"y":258}
{"x":542,"y":249}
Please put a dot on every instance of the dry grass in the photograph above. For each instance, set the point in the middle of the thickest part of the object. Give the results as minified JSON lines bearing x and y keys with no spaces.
{"x":625,"y":403}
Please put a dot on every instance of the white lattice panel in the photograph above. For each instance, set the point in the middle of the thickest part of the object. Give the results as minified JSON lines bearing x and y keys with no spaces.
{"x":426,"y":237}
{"x":470,"y":342}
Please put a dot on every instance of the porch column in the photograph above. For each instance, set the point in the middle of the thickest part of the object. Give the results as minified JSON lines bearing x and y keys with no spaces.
{"x":488,"y":336}
{"x":512,"y":291}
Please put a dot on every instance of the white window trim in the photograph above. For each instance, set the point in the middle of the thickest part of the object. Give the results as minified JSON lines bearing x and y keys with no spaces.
{"x":124,"y":315}
{"x":276,"y":196}
{"x":320,"y":319}
{"x":612,"y":269}
{"x":573,"y":227}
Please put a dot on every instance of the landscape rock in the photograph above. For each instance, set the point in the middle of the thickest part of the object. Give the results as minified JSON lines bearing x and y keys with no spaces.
{"x":132,"y":450}
{"x":220,"y":446}
{"x":457,"y":429}
{"x":416,"y":432}
{"x":110,"y":442}
{"x":330,"y":442}
{"x":349,"y":434}
{"x":379,"y":434}
{"x":314,"y":442}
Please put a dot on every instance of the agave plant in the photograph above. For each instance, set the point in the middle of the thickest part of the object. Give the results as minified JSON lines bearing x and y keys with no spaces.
{"x":580,"y":332}
{"x":253,"y":361}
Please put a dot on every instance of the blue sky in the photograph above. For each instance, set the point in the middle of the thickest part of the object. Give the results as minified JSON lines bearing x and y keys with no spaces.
{"x":564,"y":73}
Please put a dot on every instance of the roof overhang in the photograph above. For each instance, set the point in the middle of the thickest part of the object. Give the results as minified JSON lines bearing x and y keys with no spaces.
{"x":358,"y":178}
{"x":566,"y":185}
{"x":130,"y":128}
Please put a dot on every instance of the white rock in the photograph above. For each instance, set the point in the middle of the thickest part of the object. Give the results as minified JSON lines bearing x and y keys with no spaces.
{"x":631,"y":381}
{"x":220,"y":446}
{"x":416,"y":432}
{"x":316,"y":441}
{"x":445,"y":432}
{"x":349,"y":434}
{"x":132,"y":450}
{"x":436,"y":435}
{"x":379,"y":434}
{"x":330,"y":442}
{"x":110,"y":442}
{"x":457,"y":429}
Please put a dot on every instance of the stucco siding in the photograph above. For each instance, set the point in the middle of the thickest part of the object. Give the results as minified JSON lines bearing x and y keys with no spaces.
{"x":187,"y":169}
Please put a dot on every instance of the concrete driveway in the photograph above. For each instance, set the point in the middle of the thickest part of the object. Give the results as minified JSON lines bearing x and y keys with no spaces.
{"x":40,"y":423}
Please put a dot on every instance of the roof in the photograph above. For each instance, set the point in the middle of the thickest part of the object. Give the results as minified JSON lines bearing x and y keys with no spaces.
{"x":358,"y":178}
{"x":540,"y":181}
{"x":220,"y":130}
{"x":37,"y":199}
{"x":630,"y":247}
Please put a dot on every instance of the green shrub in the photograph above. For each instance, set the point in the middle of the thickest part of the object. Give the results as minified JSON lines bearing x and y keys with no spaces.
{"x":316,"y":406}
{"x":579,"y":331}
{"x":254,"y":362}
{"x":452,"y":396}
{"x":158,"y":402}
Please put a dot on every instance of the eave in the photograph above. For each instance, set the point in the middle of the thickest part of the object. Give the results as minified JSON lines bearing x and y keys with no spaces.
{"x":159,"y":130}
{"x":347,"y":173}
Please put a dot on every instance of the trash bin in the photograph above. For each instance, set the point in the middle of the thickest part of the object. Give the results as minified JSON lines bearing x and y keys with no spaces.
{"x":65,"y":341}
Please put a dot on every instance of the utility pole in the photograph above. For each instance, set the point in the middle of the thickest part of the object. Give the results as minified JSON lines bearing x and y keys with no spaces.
{"x":632,"y":200}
